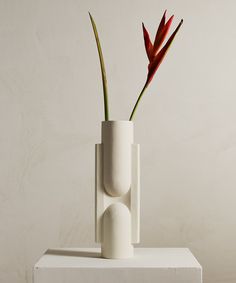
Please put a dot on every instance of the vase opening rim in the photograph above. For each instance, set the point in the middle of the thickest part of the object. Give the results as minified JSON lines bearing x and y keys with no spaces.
{"x":117,"y":121}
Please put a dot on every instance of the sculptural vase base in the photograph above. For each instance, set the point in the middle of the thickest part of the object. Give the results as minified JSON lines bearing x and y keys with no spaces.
{"x":128,"y":252}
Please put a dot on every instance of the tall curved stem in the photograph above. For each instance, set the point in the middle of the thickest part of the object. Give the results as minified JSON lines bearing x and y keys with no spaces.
{"x":137,"y":102}
{"x":102,"y":65}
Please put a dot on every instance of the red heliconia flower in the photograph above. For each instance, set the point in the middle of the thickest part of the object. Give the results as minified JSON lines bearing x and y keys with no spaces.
{"x":154,"y":54}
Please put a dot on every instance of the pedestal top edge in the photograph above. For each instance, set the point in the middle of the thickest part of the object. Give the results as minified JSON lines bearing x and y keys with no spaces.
{"x":143,"y":258}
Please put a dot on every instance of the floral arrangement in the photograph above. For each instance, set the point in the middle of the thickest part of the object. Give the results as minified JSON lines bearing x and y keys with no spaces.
{"x":154,"y":52}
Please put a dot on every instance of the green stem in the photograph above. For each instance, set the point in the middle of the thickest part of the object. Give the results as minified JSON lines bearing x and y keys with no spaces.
{"x":137,"y":102}
{"x":102,"y":65}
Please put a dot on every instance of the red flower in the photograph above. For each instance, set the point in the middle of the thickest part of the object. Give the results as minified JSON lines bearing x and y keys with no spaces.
{"x":155,"y":55}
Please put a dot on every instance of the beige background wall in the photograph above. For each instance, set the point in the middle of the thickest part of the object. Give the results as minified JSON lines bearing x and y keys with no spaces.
{"x":50,"y":113}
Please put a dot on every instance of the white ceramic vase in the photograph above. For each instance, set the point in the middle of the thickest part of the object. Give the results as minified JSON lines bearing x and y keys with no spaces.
{"x":117,"y":186}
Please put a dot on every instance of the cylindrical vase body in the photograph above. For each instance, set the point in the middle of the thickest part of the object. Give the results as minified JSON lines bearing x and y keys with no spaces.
{"x":117,"y":232}
{"x":117,"y":138}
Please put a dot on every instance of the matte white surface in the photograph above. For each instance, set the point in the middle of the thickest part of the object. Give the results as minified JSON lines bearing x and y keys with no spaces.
{"x":117,"y":140}
{"x":176,"y":265}
{"x":143,"y":257}
{"x":116,"y":232}
{"x":50,"y":112}
{"x":116,"y":182}
{"x":135,"y":194}
{"x":131,"y":199}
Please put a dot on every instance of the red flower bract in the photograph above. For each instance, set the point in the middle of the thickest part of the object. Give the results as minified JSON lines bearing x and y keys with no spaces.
{"x":154,"y":55}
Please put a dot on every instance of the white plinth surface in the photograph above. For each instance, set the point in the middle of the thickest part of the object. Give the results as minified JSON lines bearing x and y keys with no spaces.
{"x":149,"y":265}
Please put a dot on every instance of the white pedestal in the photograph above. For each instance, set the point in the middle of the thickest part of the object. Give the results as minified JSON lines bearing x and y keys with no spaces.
{"x":149,"y":265}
